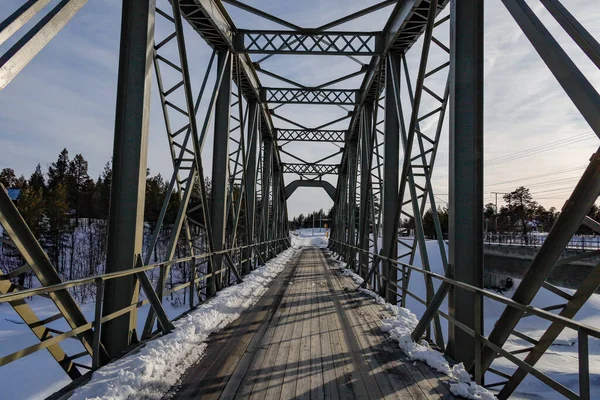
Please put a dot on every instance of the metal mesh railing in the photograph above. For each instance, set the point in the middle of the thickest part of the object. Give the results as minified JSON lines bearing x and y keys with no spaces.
{"x":578,"y":242}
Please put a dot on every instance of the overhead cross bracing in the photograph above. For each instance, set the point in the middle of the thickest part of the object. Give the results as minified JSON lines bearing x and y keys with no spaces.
{"x":385,"y":96}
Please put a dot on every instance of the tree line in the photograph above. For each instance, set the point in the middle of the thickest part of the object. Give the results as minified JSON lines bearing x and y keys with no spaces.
{"x":67,"y":211}
{"x":520,"y":214}
{"x":306,"y":221}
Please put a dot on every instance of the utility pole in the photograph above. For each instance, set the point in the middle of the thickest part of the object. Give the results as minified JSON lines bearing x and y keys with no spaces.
{"x":313,"y":230}
{"x":320,"y":222}
{"x":496,"y":222}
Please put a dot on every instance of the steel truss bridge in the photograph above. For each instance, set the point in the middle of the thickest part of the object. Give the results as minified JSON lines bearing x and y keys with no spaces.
{"x":380,"y":172}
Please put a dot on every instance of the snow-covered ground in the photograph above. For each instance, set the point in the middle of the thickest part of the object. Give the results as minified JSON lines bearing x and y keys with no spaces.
{"x":310,"y":237}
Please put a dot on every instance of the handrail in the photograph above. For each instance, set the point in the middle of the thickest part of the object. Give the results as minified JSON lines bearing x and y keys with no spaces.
{"x":99,"y":319}
{"x":22,"y":294}
{"x":494,"y":296}
{"x":583,"y":330}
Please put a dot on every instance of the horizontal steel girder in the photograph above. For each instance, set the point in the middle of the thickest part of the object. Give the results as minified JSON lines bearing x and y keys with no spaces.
{"x":310,"y":135}
{"x":308,"y":96}
{"x":291,"y":188}
{"x":310,"y":169}
{"x":286,"y":42}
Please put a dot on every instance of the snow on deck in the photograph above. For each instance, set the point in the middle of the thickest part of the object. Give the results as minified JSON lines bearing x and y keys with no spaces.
{"x":151,"y":371}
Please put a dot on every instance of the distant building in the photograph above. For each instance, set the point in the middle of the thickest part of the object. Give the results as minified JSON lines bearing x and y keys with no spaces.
{"x":532,"y":226}
{"x":13,"y":193}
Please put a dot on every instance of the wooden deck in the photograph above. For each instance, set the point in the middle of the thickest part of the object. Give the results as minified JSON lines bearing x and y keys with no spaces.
{"x":310,"y":336}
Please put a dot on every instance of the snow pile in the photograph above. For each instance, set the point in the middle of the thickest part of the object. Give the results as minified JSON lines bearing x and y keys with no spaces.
{"x":400,"y":328}
{"x":308,"y":237}
{"x":155,"y":368}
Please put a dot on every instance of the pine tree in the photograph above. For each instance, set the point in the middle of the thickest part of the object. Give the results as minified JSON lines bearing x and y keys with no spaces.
{"x":102,"y":196}
{"x":77,"y":179}
{"x":155,"y":195}
{"x":31,"y":207}
{"x":521,"y":203}
{"x":21,"y":182}
{"x":58,"y":170}
{"x":8,"y":177}
{"x":57,"y":223}
{"x":37,"y":180}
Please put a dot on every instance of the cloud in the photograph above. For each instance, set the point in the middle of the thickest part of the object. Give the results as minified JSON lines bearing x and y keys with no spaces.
{"x":66,"y":96}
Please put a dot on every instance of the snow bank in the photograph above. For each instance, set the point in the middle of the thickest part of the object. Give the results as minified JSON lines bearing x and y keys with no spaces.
{"x":306,"y":237}
{"x":400,"y":328}
{"x":158,"y":366}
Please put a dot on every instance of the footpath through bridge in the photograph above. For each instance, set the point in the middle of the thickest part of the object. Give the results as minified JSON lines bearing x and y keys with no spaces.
{"x":311,"y":335}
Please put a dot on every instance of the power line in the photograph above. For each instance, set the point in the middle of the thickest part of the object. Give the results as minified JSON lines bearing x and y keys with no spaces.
{"x":556,"y":172}
{"x":548,"y":183}
{"x":580,"y":137}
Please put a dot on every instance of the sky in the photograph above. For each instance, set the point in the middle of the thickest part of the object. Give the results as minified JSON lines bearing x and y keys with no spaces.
{"x":534,"y":135}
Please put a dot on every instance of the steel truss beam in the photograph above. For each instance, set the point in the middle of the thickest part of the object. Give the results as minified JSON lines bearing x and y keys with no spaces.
{"x":185,"y":151}
{"x":26,"y":48}
{"x":39,"y":263}
{"x":328,"y":43}
{"x":308,"y":96}
{"x":251,"y":177}
{"x":574,"y":83}
{"x":292,"y":186}
{"x":20,"y":17}
{"x":220,"y":167}
{"x":423,"y":163}
{"x":465,"y":245}
{"x":310,"y":169}
{"x":308,"y":135}
{"x":126,"y":211}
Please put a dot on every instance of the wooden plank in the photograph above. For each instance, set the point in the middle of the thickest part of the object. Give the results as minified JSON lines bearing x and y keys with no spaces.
{"x":379,"y":369}
{"x":287,"y":325}
{"x":405,"y":370}
{"x":309,"y":337}
{"x":316,"y":366}
{"x":371,"y":386}
{"x":246,"y":353}
{"x":330,"y":378}
{"x":257,"y":357}
{"x":427,"y":386}
{"x":288,"y":389}
{"x":412,"y":374}
{"x":272,"y":344}
{"x":347,"y":374}
{"x":303,"y":377}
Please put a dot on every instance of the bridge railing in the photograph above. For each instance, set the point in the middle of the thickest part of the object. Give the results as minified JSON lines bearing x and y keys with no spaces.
{"x":578,"y":242}
{"x":261,"y":251}
{"x":583,"y":331}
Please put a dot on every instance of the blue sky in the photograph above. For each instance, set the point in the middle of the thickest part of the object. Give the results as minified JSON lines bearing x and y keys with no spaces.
{"x":66,"y":97}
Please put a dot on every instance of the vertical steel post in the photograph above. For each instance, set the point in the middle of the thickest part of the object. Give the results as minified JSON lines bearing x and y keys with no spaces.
{"x":365,"y":189}
{"x":126,"y":213}
{"x":340,"y":226}
{"x":265,"y":191}
{"x":276,"y":209}
{"x":584,"y":364}
{"x":250,"y":184}
{"x":351,"y":203}
{"x":391,"y":161}
{"x":466,"y":176}
{"x":220,"y":168}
